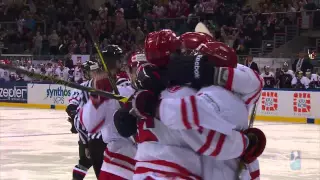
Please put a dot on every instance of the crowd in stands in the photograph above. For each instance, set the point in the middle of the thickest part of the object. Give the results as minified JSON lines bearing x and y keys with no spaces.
{"x":57,"y":27}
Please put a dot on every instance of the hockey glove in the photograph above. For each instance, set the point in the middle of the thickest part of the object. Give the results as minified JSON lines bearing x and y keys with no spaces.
{"x":73,"y":129}
{"x":256,"y":145}
{"x":195,"y":70}
{"x":149,"y":78}
{"x":145,"y":104}
{"x":72,"y":110}
{"x":125,"y":123}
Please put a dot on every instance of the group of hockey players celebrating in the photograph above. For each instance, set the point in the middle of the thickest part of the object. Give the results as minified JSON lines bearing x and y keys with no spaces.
{"x":187,"y":117}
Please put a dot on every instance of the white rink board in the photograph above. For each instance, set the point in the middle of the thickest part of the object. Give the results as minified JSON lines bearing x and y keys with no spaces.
{"x":289,"y":104}
{"x":52,"y":94}
{"x":37,"y":145}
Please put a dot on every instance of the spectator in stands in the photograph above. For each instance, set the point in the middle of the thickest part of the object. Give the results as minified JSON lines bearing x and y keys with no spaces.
{"x":37,"y":41}
{"x":302,"y":63}
{"x":249,"y":63}
{"x":54,"y":42}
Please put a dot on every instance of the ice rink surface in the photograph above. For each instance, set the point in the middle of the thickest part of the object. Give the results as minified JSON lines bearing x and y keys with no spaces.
{"x":37,"y":145}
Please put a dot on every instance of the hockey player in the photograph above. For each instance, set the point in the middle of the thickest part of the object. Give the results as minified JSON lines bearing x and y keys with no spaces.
{"x":91,"y":146}
{"x":268,"y":77}
{"x":285,"y":76}
{"x":314,"y":79}
{"x":97,"y":115}
{"x":153,"y":136}
{"x":218,"y":50}
{"x":300,"y":81}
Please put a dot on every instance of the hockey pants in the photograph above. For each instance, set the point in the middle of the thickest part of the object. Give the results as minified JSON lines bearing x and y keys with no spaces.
{"x":96,"y":149}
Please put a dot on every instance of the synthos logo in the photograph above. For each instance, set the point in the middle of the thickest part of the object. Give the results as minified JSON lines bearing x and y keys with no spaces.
{"x":269,"y":101}
{"x":301,"y":102}
{"x":13,"y":94}
{"x":58,"y":94}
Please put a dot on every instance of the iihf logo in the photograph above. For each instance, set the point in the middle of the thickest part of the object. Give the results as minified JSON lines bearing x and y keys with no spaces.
{"x":295,"y":160}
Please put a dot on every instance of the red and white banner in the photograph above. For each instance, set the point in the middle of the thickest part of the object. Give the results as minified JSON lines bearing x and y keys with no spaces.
{"x":289,"y":104}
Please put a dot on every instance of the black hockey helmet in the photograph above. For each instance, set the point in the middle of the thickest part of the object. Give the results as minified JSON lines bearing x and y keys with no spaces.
{"x":113,"y":56}
{"x":112,"y":51}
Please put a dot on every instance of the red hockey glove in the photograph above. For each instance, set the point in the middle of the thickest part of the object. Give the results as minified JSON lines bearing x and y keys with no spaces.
{"x":144,"y":104}
{"x":257,"y":144}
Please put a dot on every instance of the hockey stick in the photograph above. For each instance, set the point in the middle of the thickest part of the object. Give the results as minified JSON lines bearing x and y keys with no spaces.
{"x":65,"y":83}
{"x":96,"y":45}
{"x":253,"y":115}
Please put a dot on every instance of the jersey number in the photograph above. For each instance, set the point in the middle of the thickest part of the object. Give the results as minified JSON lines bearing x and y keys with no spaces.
{"x":144,"y":133}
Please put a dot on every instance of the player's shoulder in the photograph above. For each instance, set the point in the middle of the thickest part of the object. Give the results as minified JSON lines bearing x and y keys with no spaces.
{"x":177,"y":92}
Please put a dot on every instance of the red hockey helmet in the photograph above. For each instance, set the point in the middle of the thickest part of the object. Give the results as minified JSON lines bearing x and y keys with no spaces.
{"x":221,"y":54}
{"x":192,"y":40}
{"x":136,"y":59}
{"x":158,"y":46}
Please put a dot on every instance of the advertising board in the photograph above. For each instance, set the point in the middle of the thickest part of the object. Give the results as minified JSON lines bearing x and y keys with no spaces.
{"x":79,"y":58}
{"x":296,"y":104}
{"x":52,"y":94}
{"x":13,"y":92}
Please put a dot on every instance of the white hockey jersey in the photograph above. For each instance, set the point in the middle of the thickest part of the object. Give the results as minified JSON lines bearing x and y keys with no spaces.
{"x":315,"y":77}
{"x":289,"y":72}
{"x":120,"y":151}
{"x":217,"y":106}
{"x":217,"y":109}
{"x":162,"y":151}
{"x":304,"y":81}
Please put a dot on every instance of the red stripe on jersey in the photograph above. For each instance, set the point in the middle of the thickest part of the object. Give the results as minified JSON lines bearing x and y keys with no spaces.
{"x":120,"y":157}
{"x":184,"y":114}
{"x":207,"y":143}
{"x":195,"y":112}
{"x":148,"y":178}
{"x":221,"y":140}
{"x":258,"y":92}
{"x":182,"y":171}
{"x":255,"y":174}
{"x":142,"y":170}
{"x":228,"y":85}
{"x":94,"y":130}
{"x":108,"y":161}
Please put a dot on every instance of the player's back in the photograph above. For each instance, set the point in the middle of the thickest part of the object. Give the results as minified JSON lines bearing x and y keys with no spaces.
{"x":162,"y":149}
